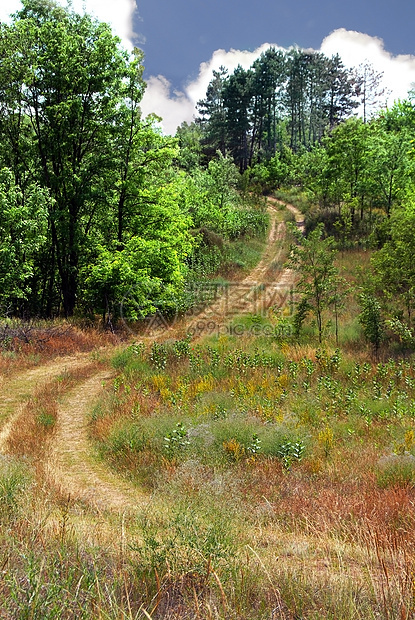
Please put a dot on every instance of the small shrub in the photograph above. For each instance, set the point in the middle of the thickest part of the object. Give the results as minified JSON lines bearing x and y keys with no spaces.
{"x":126,"y":437}
{"x":371,"y":320}
{"x":158,"y":355}
{"x":234,"y":450}
{"x":326,"y":440}
{"x":181,"y":348}
{"x":176,"y":442}
{"x":254,"y":448}
{"x":290,"y":452}
{"x":46,"y":419}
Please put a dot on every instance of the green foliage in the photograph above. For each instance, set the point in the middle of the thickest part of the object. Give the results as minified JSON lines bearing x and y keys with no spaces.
{"x":254,"y":447}
{"x":285,"y":99}
{"x":393,"y":263}
{"x":158,"y":355}
{"x":14,"y":482}
{"x":64,"y":70}
{"x":401,"y":330}
{"x":176,"y":442}
{"x":147,"y":274}
{"x":193,"y":542}
{"x":96,"y":212}
{"x":102,"y":213}
{"x":22,"y":235}
{"x":271,"y":174}
{"x":291,"y":452}
{"x":125,"y":437}
{"x":359,"y":174}
{"x":189,"y":140}
{"x":319,"y":283}
{"x":302,"y":309}
{"x":371,"y":320}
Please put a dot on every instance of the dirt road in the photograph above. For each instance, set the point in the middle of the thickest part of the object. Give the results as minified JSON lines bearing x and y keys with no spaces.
{"x":69,"y":465}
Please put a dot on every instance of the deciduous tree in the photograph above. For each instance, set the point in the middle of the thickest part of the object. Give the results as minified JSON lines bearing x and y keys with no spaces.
{"x":318,"y":285}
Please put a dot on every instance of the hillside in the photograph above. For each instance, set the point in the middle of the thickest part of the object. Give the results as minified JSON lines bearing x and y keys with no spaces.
{"x":206,"y":340}
{"x":220,"y":476}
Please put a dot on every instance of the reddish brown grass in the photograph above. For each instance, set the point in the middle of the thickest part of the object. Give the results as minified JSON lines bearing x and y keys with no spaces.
{"x":27,"y":346}
{"x":35,"y":425}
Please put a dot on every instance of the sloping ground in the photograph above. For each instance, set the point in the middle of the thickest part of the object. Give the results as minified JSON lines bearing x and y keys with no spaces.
{"x":69,"y":465}
{"x":259,"y":290}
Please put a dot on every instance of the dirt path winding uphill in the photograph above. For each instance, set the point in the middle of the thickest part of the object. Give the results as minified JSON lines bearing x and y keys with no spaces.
{"x":268,"y":284}
{"x":69,"y":465}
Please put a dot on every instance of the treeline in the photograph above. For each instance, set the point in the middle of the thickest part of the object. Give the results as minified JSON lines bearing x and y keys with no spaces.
{"x":101,"y":212}
{"x":287,"y":98}
{"x":291,"y":121}
{"x":357,"y":187}
{"x":361,"y":172}
{"x":291,"y":124}
{"x":96,"y":208}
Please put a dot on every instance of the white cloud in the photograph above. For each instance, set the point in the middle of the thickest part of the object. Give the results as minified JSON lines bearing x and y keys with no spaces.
{"x":356,"y":47}
{"x":7,"y":7}
{"x":353,"y":47}
{"x":175,"y":107}
{"x":118,"y":13}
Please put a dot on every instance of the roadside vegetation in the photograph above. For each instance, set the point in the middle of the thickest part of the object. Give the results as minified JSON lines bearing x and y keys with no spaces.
{"x":276,"y":474}
{"x":269,"y":454}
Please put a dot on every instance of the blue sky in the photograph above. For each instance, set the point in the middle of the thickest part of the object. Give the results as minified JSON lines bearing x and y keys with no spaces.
{"x":185,"y":40}
{"x":180,"y":34}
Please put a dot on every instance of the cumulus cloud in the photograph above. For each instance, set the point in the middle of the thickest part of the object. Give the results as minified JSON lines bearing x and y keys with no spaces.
{"x":353,"y":47}
{"x":356,"y":48}
{"x":119,"y":14}
{"x":173,"y":106}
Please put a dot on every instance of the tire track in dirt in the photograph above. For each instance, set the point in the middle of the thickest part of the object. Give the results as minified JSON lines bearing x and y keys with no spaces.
{"x":70,"y":464}
{"x":16,"y":390}
{"x":71,"y":467}
{"x":255,"y":293}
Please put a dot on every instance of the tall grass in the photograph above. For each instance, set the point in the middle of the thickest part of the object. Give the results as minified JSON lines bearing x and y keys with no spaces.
{"x":36,"y":422}
{"x":236,"y":491}
{"x":279,"y":482}
{"x":296,"y":197}
{"x":29,"y":343}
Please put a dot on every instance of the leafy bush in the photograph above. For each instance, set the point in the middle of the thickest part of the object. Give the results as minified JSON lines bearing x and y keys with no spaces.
{"x":176,"y":442}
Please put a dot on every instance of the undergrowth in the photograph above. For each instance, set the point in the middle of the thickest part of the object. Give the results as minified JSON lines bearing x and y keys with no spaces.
{"x":278,"y":477}
{"x":29,"y":343}
{"x":293,"y":452}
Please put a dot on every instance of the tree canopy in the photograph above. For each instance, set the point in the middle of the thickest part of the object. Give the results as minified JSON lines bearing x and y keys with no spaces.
{"x":72,"y":134}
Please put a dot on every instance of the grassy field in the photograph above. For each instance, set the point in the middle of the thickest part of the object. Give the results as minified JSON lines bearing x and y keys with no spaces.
{"x":281,"y":477}
{"x":274,"y":479}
